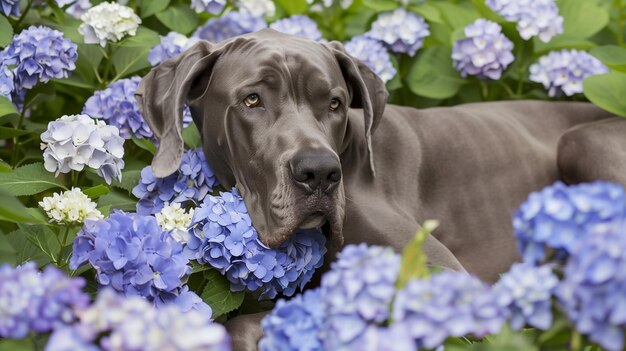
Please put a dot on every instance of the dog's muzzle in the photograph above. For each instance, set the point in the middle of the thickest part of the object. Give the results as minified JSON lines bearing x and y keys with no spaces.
{"x":315,"y":171}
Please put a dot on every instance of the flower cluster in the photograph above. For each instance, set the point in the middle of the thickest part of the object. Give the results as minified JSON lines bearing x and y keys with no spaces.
{"x":175,"y":220}
{"x":225,"y":239}
{"x":39,"y":54}
{"x":372,"y":53}
{"x":71,"y":142}
{"x":563,"y":72}
{"x":114,"y":322}
{"x":257,"y":8}
{"x":70,"y":207}
{"x":402,"y":31}
{"x":133,"y":255}
{"x":525,"y":293}
{"x":210,"y":6}
{"x":299,"y":25}
{"x":593,"y":290}
{"x":10,"y":7}
{"x":448,"y":304}
{"x":328,"y":3}
{"x":558,"y":216}
{"x":230,"y":25}
{"x":77,"y":8}
{"x":6,"y":80}
{"x":117,"y":106}
{"x":484,"y":53}
{"x":171,"y":45}
{"x":37,"y":301}
{"x":534,"y":18}
{"x":191,"y":183}
{"x":108,"y":21}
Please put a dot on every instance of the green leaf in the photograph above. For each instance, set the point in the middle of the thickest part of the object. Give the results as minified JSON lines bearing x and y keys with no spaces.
{"x":96,"y":192}
{"x":16,"y":345}
{"x":145,"y":144}
{"x":117,"y":200}
{"x":428,"y":11}
{"x":560,"y":42}
{"x":179,"y":18}
{"x":5,"y":167}
{"x":6,"y":32}
{"x":12,"y":210}
{"x":433,"y":76}
{"x":7,"y":252}
{"x":191,"y":136}
{"x":294,"y":7}
{"x":381,"y":5}
{"x":28,"y":180}
{"x":7,"y":108}
{"x":414,"y":263}
{"x":129,"y":180}
{"x":131,"y":55}
{"x":34,"y":243}
{"x":150,"y":7}
{"x":582,"y":18}
{"x":217,"y":294}
{"x":456,"y":15}
{"x":607,"y":91}
{"x":611,"y":55}
{"x":6,"y":133}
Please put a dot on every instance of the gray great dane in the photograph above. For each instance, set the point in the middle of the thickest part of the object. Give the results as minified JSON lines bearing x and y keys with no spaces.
{"x":302,"y":130}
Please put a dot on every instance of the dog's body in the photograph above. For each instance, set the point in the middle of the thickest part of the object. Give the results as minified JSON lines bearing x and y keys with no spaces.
{"x":372,"y":176}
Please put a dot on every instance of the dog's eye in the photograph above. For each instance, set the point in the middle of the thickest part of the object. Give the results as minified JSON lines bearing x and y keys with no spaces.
{"x":334,"y":104}
{"x":252,"y":100}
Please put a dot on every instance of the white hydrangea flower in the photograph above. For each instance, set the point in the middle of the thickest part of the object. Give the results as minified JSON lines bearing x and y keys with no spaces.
{"x":108,"y":21}
{"x":258,"y":8}
{"x":174,"y":218}
{"x":70,"y":207}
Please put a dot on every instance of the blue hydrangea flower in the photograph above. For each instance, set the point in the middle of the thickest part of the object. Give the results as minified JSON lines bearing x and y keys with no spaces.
{"x":372,"y":53}
{"x":400,"y":30}
{"x":484,"y":53}
{"x":171,"y":45}
{"x":525,"y":293}
{"x":210,"y":6}
{"x":389,"y":338}
{"x":6,"y":80}
{"x":558,"y":216}
{"x":132,"y":254}
{"x":563,"y":72}
{"x":593,"y":290}
{"x":10,"y":7}
{"x":534,"y":18}
{"x":37,"y":301}
{"x":230,"y":25}
{"x":39,"y":54}
{"x":225,"y":239}
{"x":294,"y":325}
{"x":299,"y":25}
{"x":449,"y":304}
{"x":190,"y":184}
{"x":79,"y":8}
{"x":358,"y":291}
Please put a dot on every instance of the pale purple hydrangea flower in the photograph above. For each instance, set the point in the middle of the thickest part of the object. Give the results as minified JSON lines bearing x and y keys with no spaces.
{"x":402,"y":31}
{"x":6,"y":80}
{"x":525,"y":293}
{"x":563,"y":72}
{"x":10,"y":7}
{"x":39,"y":54}
{"x":79,"y":8}
{"x":230,"y":25}
{"x":373,"y":54}
{"x":534,"y":18}
{"x":223,"y":237}
{"x":299,"y":25}
{"x":61,"y":3}
{"x":395,"y":337}
{"x":73,"y":142}
{"x":190,"y":184}
{"x":484,"y":53}
{"x":34,"y":301}
{"x":448,"y":304}
{"x":210,"y":6}
{"x":558,"y":216}
{"x":593,"y":290}
{"x":171,"y":45}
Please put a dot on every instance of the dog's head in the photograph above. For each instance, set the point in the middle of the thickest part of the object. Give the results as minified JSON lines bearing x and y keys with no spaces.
{"x":272,"y":110}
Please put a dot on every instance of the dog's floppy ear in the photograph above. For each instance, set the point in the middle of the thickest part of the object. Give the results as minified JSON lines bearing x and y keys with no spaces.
{"x":368,"y":92}
{"x":162,"y":94}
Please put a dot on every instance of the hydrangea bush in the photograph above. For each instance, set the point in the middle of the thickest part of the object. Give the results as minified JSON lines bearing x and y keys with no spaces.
{"x":99,"y":254}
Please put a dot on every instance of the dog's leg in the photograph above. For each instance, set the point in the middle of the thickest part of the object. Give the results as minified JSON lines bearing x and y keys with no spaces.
{"x":594,"y":151}
{"x":246,"y":331}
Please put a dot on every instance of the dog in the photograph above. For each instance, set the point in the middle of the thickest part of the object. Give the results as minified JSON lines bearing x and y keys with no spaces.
{"x":303,"y":131}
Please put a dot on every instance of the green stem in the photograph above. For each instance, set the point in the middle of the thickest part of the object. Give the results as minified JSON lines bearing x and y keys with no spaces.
{"x":74,"y":180}
{"x":576,"y":342}
{"x":484,"y":90}
{"x":26,"y":9}
{"x":16,"y":139}
{"x":521,"y":72}
{"x":62,"y":244}
{"x":108,"y":55}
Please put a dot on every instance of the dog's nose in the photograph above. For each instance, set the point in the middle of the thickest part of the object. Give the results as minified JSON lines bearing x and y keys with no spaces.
{"x":315,"y":170}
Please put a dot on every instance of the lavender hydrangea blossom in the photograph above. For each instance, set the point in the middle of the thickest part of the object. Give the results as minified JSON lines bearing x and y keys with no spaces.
{"x":210,"y":6}
{"x":37,"y":301}
{"x":484,"y":53}
{"x":373,"y":54}
{"x":535,"y":18}
{"x":39,"y":54}
{"x":6,"y":80}
{"x":400,"y":30}
{"x":225,"y":239}
{"x":563,"y":72}
{"x":190,"y":184}
{"x":171,"y":45}
{"x":449,"y":304}
{"x":525,"y":293}
{"x":558,"y":216}
{"x":230,"y":25}
{"x":10,"y":7}
{"x":79,"y":8}
{"x":299,"y":25}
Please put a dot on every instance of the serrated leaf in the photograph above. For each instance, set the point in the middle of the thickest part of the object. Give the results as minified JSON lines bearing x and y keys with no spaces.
{"x":96,"y":191}
{"x":129,"y":180}
{"x":12,"y":210}
{"x":217,"y":294}
{"x":6,"y":32}
{"x":5,"y":167}
{"x":28,"y":180}
{"x":179,"y":18}
{"x":33,"y":243}
{"x":414,"y":264}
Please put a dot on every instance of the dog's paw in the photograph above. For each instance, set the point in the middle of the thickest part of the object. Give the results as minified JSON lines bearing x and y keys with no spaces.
{"x":246,"y":331}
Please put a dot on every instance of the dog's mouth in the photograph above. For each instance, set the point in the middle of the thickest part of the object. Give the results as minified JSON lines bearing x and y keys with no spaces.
{"x":326,"y":224}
